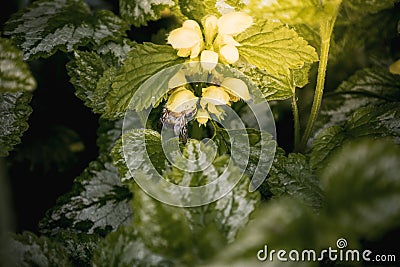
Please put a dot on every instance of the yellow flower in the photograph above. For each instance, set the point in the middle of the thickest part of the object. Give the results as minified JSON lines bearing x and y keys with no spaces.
{"x":237,"y":88}
{"x":215,"y":95}
{"x":218,"y":34}
{"x":182,"y":100}
{"x":395,"y":67}
{"x":202,"y":116}
{"x":234,"y":23}
{"x":229,"y":53}
{"x":230,"y":25}
{"x":210,"y":25}
{"x":188,"y":39}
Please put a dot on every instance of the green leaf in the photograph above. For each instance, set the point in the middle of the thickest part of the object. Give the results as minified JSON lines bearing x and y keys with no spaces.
{"x":197,"y":9}
{"x":141,"y":63}
{"x":79,"y":247}
{"x":124,"y":248}
{"x":139,"y":12}
{"x":162,"y":228}
{"x":69,"y":24}
{"x":108,"y":133}
{"x":14,"y":72}
{"x":278,"y":87}
{"x":97,"y":203}
{"x":372,"y":86}
{"x":288,"y":11}
{"x":256,"y":143}
{"x":192,"y":234}
{"x":14,"y":114}
{"x":362,"y":185}
{"x":238,"y":204}
{"x":280,"y":224}
{"x":275,"y":48}
{"x":292,"y":176}
{"x":372,"y":121}
{"x":92,"y":73}
{"x":133,"y":148}
{"x":27,"y":249}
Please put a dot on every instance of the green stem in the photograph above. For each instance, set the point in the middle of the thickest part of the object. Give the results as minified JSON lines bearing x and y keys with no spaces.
{"x":326,"y":29}
{"x":296,"y":120}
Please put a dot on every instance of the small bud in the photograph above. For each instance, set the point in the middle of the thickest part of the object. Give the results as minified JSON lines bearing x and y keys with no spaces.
{"x":202,"y":116}
{"x":209,"y":59}
{"x":229,"y":53}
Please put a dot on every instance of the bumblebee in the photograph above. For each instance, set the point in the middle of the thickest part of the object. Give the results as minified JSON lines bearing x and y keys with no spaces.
{"x":177,"y":121}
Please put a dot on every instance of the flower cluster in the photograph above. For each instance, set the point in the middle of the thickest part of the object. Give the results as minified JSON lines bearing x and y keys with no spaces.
{"x":218,"y":43}
{"x":182,"y":101}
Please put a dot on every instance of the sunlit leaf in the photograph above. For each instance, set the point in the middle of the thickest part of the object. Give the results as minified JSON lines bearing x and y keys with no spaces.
{"x":275,"y":48}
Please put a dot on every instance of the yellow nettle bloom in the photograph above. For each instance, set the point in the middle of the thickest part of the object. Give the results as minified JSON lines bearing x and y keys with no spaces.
{"x":215,"y":95}
{"x":236,"y":88}
{"x":182,"y":100}
{"x":395,"y":67}
{"x":218,"y":35}
{"x":188,"y":39}
{"x":230,"y":25}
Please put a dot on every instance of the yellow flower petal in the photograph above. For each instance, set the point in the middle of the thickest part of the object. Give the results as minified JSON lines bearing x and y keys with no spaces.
{"x":208,"y":59}
{"x":214,"y":110}
{"x":234,"y":23}
{"x":210,"y":25}
{"x":395,"y":67}
{"x":202,"y":116}
{"x":215,"y":95}
{"x":192,"y":25}
{"x":184,"y":52}
{"x":196,"y":50}
{"x":178,"y":79}
{"x":229,"y":53}
{"x":182,"y":100}
{"x":183,"y":38}
{"x":236,"y":87}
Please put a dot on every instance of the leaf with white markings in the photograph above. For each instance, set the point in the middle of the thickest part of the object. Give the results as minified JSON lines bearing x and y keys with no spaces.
{"x":47,"y":26}
{"x":14,"y":72}
{"x":139,"y":12}
{"x":27,"y":249}
{"x":292,"y":176}
{"x":92,"y":73}
{"x":98,"y":203}
{"x":14,"y":114}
